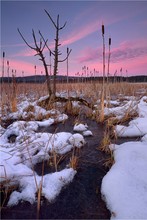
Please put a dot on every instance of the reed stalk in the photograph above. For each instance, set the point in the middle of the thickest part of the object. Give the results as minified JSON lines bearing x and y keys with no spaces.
{"x":103,"y":83}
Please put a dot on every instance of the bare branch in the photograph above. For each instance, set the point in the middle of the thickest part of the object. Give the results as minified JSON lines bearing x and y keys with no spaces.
{"x":44,"y":45}
{"x":50,"y":18}
{"x":63,"y":26}
{"x":56,"y":26}
{"x":33,"y":48}
{"x":45,"y":42}
{"x":65,"y":57}
{"x":34,"y":37}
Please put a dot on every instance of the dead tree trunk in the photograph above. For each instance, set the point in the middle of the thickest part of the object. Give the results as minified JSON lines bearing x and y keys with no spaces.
{"x":56,"y":53}
{"x":39,"y":48}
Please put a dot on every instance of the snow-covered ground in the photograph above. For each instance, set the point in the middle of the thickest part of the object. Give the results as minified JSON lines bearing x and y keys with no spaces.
{"x":22,"y":147}
{"x":124,"y":187}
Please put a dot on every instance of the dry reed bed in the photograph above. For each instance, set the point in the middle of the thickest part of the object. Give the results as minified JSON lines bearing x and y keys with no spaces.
{"x":91,"y":90}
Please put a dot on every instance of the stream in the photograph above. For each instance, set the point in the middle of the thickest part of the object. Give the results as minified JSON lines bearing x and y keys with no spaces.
{"x":81,"y":199}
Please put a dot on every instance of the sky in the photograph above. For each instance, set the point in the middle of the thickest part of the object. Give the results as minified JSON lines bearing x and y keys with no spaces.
{"x":125,"y":22}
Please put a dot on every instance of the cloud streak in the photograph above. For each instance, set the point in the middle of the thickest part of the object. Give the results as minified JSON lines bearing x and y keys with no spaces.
{"x":21,"y":66}
{"x":80,"y":32}
{"x":126,"y":51}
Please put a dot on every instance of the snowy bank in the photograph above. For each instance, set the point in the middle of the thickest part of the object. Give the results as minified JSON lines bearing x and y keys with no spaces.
{"x":124,"y":187}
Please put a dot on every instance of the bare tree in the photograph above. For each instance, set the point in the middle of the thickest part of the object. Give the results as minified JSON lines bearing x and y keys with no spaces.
{"x":56,"y":52}
{"x":39,"y":48}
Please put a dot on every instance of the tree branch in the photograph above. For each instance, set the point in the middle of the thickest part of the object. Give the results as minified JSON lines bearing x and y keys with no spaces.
{"x":45,"y":42}
{"x":33,"y":48}
{"x":51,"y":19}
{"x":66,"y":57}
{"x":63,"y":26}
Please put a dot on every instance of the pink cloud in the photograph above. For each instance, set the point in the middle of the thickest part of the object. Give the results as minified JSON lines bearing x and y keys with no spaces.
{"x":14,"y":45}
{"x":21,"y":66}
{"x":81,"y":32}
{"x":24,"y":53}
{"x":127,"y":50}
{"x":135,"y":67}
{"x":77,"y":34}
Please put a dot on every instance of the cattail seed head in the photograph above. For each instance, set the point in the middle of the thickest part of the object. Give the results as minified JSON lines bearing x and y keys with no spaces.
{"x":103,"y":29}
{"x":67,"y":50}
{"x":3,"y":54}
{"x":109,"y":41}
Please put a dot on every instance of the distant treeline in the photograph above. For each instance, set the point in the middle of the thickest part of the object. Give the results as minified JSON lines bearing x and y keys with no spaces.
{"x":60,"y":78}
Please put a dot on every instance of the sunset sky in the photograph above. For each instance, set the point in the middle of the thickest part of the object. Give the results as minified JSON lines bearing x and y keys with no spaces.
{"x":125,"y":22}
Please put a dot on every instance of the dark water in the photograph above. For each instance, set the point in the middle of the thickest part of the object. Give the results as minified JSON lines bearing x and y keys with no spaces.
{"x":81,"y":199}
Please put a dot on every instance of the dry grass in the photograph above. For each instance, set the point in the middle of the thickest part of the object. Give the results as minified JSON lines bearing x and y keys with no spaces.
{"x":92,"y":92}
{"x":109,"y":161}
{"x":104,"y":146}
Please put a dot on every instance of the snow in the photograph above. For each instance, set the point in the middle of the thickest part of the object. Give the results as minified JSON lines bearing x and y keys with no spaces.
{"x":142,"y":107}
{"x":80,"y":127}
{"x":2,"y":130}
{"x":30,"y":147}
{"x":77,"y":140}
{"x":120,"y":111}
{"x":16,"y":165}
{"x":53,"y":183}
{"x":136,"y":128}
{"x":124,"y":187}
{"x":51,"y":186}
{"x":83,"y":128}
{"x":87,"y":133}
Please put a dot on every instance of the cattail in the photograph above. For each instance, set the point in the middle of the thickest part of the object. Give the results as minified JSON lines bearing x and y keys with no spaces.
{"x":50,"y":63}
{"x":67,"y":50}
{"x":8,"y":70}
{"x":102,"y":94}
{"x":35,"y":73}
{"x":3,"y":64}
{"x":103,"y":29}
{"x":67,"y":65}
{"x":109,"y":41}
{"x":109,"y":57}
